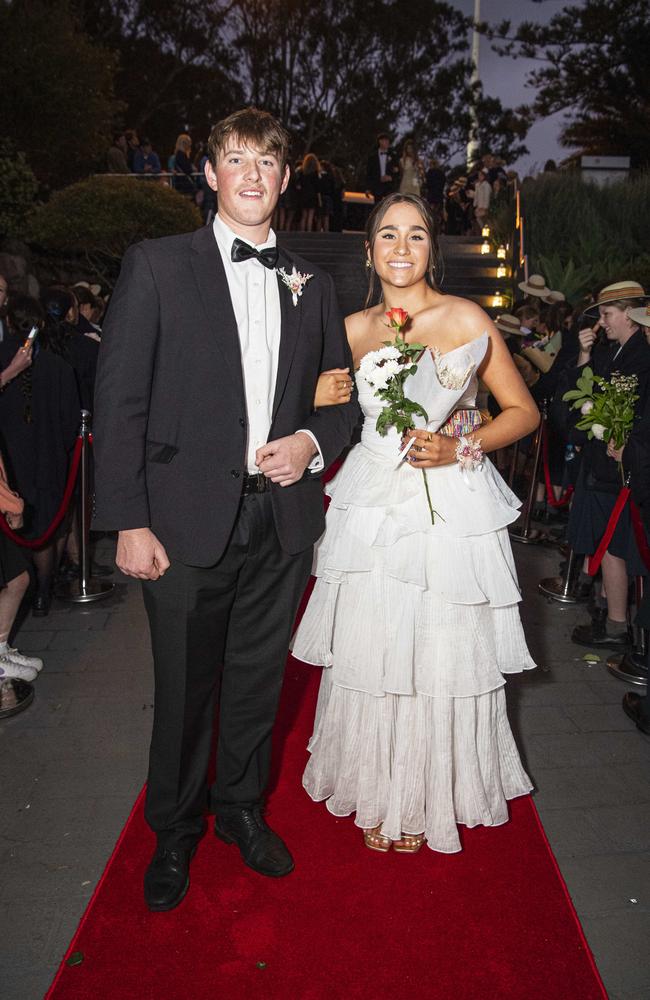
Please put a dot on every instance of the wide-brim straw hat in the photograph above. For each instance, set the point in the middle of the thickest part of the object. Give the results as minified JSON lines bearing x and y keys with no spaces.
{"x":620,"y":290}
{"x":509,"y":325}
{"x":536,"y":285}
{"x":614,"y":293}
{"x":640,"y":316}
{"x":554,"y":297}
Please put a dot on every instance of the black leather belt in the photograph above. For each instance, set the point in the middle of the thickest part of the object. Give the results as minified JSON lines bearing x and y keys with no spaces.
{"x":257,"y":483}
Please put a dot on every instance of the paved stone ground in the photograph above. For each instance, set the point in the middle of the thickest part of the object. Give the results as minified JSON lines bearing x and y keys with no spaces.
{"x":72,"y":764}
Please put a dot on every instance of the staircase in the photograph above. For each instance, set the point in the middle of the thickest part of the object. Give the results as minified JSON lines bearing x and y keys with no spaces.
{"x":465,"y":271}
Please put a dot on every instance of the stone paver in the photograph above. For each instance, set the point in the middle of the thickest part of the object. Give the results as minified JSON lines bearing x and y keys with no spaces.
{"x":72,"y":764}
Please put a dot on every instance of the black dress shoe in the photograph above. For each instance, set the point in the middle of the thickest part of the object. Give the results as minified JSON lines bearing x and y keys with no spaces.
{"x":41,"y":605}
{"x":261,"y":848}
{"x":595,"y":635}
{"x":167,"y":878}
{"x":632,"y":708}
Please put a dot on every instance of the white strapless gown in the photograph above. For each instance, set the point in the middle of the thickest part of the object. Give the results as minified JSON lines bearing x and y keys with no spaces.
{"x":416,"y":625}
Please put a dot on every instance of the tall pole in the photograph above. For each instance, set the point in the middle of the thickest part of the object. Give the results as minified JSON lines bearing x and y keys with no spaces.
{"x":473,"y":144}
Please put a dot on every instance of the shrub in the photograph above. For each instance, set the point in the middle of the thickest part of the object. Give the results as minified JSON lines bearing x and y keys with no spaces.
{"x":98,"y":219}
{"x":580,"y":236}
{"x":18,"y":188}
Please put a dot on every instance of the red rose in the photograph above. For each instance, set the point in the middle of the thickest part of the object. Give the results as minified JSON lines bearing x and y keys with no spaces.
{"x":397,"y":318}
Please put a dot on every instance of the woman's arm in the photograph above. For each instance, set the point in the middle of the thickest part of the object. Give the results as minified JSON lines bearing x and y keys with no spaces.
{"x":21,"y":360}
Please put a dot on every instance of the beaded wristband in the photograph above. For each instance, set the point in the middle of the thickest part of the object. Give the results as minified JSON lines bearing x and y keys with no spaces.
{"x":469,"y":454}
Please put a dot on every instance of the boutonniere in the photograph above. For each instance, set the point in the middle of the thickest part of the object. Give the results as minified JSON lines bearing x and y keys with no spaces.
{"x":295,"y":282}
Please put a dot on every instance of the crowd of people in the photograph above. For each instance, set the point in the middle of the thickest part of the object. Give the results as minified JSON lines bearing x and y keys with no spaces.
{"x":553,"y":342}
{"x":314,"y":198}
{"x":48,"y":359}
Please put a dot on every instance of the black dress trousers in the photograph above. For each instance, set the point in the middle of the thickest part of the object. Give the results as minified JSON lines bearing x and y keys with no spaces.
{"x":230,"y":622}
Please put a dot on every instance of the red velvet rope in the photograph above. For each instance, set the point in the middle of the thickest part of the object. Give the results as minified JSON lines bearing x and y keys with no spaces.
{"x":38,"y":543}
{"x":639,"y":534}
{"x":563,"y":500}
{"x":597,"y":558}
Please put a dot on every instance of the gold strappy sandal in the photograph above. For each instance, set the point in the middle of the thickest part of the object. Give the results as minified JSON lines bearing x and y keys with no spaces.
{"x":376,"y":840}
{"x":410,"y":843}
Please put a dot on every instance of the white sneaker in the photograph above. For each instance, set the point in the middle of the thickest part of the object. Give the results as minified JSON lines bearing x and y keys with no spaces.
{"x":8,"y":668}
{"x":24,"y":661}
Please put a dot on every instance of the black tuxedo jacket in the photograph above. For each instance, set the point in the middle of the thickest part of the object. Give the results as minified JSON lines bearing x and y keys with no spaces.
{"x":374,"y":182}
{"x":170,"y":412}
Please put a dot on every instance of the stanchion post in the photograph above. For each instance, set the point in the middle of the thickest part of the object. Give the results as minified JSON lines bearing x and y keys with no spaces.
{"x":513,"y":464}
{"x":560,"y":588}
{"x":85,"y":589}
{"x":526,"y":534}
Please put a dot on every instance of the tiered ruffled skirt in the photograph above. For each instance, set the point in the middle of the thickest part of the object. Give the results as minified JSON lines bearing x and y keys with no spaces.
{"x":416,"y":625}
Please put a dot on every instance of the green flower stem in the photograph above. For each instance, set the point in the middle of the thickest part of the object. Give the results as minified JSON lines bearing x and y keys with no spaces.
{"x":426,"y":486}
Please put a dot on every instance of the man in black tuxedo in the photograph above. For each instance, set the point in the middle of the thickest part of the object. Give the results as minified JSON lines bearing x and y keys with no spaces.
{"x":208,"y":450}
{"x":382,"y":170}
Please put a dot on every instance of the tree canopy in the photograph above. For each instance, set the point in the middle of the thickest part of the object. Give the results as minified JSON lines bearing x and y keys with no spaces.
{"x":593,"y":64}
{"x":58,"y":103}
{"x":334,"y":72}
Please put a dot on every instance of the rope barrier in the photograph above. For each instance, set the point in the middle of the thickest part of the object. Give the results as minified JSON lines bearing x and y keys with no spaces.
{"x":637,"y":526}
{"x":551,"y":500}
{"x":42,"y":540}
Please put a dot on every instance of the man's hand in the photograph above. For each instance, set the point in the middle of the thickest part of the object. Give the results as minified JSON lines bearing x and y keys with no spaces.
{"x":285,"y":460}
{"x":140,"y":554}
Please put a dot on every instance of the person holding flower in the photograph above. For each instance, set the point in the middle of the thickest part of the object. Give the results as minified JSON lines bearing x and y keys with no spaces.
{"x":623,"y":353}
{"x":415,"y":609}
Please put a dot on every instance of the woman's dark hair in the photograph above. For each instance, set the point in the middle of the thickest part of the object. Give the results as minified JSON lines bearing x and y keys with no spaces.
{"x":24,"y":313}
{"x":84,"y":296}
{"x":57,"y":303}
{"x":375,"y":220}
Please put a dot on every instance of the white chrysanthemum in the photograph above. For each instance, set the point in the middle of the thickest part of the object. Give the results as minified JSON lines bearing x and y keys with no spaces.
{"x":586,"y":408}
{"x":598,"y":431}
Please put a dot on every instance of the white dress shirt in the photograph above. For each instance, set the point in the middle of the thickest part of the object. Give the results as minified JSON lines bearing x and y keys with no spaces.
{"x":255,"y":295}
{"x":383,"y":160}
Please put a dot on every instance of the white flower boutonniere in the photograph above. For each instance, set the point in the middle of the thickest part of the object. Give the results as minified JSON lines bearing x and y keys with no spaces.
{"x":295,"y":282}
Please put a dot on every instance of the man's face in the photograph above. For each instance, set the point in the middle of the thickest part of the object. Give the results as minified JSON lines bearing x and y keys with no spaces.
{"x":249,"y":183}
{"x":384,"y":143}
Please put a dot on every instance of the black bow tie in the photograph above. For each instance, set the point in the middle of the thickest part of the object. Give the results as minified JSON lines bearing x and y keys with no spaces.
{"x":244,"y":251}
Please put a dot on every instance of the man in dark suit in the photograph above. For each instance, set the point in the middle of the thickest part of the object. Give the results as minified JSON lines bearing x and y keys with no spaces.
{"x":208,"y":451}
{"x":382,"y":170}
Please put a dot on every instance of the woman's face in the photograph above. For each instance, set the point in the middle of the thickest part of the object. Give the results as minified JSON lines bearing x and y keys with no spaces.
{"x":400,"y":253}
{"x":615,"y":322}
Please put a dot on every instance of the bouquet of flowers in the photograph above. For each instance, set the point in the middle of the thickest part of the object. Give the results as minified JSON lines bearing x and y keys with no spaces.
{"x":606,"y":406}
{"x":386,"y":371}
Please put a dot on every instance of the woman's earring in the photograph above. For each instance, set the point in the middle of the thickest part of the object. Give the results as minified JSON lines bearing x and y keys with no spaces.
{"x":368,"y":262}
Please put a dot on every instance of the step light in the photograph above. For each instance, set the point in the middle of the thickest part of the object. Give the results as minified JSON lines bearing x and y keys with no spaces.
{"x":485,"y":232}
{"x":498,"y":301}
{"x":485,"y":247}
{"x":501,"y":252}
{"x":502,"y":271}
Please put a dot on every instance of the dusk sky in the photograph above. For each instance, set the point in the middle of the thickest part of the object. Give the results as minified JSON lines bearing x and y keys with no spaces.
{"x":505,"y":77}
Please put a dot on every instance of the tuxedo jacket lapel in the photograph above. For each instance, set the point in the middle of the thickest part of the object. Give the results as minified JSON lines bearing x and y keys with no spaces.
{"x":289,"y":330}
{"x":215,"y":295}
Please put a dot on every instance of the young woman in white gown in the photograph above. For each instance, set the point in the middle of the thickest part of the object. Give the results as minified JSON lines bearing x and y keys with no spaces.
{"x":416,"y":623}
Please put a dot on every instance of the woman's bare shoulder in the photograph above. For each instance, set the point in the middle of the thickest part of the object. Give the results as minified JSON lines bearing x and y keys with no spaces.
{"x":469,"y":320}
{"x":358,"y":323}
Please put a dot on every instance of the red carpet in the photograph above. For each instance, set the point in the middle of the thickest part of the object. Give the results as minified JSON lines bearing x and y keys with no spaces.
{"x":492,"y":922}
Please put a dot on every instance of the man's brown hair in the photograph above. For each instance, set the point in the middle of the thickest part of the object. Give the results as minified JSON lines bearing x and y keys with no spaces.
{"x":251,"y":127}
